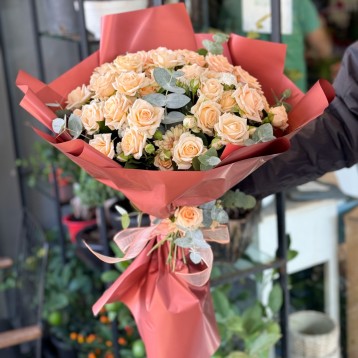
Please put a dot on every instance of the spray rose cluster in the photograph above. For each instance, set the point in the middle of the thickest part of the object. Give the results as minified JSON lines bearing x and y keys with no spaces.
{"x":170,"y":110}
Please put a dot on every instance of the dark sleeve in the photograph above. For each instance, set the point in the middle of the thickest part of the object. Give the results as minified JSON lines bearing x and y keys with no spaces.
{"x":328,"y":143}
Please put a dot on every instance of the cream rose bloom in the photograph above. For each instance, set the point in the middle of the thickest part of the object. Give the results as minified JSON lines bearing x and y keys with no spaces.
{"x":103,"y":143}
{"x":78,"y":97}
{"x":189,"y":217}
{"x":129,"y":83}
{"x":131,"y":62}
{"x":191,"y":73}
{"x":227,"y":101}
{"x":102,"y":84}
{"x":207,"y":115}
{"x":162,"y":163}
{"x":211,"y":89}
{"x":133,"y":143}
{"x":193,"y":58}
{"x":144,"y":117}
{"x":250,"y":102}
{"x":90,"y":115}
{"x":232,"y":129}
{"x":106,"y":68}
{"x":165,"y":58}
{"x":188,"y":147}
{"x":280,"y":117}
{"x":115,"y":111}
{"x":218,"y":63}
{"x":245,"y":77}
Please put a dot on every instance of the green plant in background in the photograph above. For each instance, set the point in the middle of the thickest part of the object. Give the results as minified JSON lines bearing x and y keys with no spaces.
{"x":38,"y":166}
{"x":250,"y":332}
{"x":70,"y":291}
{"x":89,"y":194}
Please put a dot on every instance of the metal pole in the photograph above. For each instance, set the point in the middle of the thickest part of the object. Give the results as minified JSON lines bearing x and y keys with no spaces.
{"x":83,"y":32}
{"x":280,"y":209}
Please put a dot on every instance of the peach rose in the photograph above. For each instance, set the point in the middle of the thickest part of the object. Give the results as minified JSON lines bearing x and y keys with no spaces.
{"x":280,"y":117}
{"x":245,"y":77}
{"x":144,"y":117}
{"x":102,"y":84}
{"x":129,"y":83}
{"x":131,"y":62}
{"x":191,"y":73}
{"x":133,"y":143}
{"x":250,"y":102}
{"x":193,"y":58}
{"x":162,"y":163}
{"x":162,"y":57}
{"x":211,"y":89}
{"x":103,"y":143}
{"x":115,"y":111}
{"x":189,"y":217}
{"x":151,"y":87}
{"x":78,"y":97}
{"x":218,"y":63}
{"x":207,"y":115}
{"x":232,"y":129}
{"x":186,"y":149}
{"x":105,"y":68}
{"x":92,"y":114}
{"x":208,"y":74}
{"x":227,"y":101}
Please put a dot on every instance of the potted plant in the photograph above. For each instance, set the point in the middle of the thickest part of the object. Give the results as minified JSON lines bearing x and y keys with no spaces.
{"x":89,"y":194}
{"x":39,"y":168}
{"x":243,"y":211}
{"x":70,"y":291}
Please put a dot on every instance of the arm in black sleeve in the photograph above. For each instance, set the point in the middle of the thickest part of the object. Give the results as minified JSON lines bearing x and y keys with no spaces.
{"x":328,"y":143}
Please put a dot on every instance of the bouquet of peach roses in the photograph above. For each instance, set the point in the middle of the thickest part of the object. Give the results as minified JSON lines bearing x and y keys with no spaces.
{"x":170,"y":109}
{"x":172,"y":129}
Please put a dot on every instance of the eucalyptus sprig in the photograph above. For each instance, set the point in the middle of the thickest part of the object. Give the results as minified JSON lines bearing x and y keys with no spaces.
{"x":174,"y":100}
{"x":216,"y":46}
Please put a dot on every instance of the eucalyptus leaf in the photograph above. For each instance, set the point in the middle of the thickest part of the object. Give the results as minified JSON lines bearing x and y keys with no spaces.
{"x":156,"y":99}
{"x":176,"y":100}
{"x":207,"y":220}
{"x":213,"y":47}
{"x":184,"y":242}
{"x":195,"y":163}
{"x":177,"y":74}
{"x":222,"y":217}
{"x":166,"y":80}
{"x":195,"y":257}
{"x":220,"y":37}
{"x":173,"y":117}
{"x":263,"y":134}
{"x":58,"y":125}
{"x":75,"y":125}
{"x":208,"y":205}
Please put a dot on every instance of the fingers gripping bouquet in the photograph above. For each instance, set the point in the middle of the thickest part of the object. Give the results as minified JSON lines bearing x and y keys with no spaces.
{"x":173,"y":129}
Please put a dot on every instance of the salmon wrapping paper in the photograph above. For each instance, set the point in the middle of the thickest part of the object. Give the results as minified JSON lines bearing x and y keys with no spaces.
{"x":174,"y":317}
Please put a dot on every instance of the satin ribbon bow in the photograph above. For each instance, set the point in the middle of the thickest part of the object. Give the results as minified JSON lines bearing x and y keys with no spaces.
{"x":133,"y":240}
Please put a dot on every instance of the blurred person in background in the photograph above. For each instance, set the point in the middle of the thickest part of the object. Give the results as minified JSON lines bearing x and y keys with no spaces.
{"x":302,"y":30}
{"x":328,"y":143}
